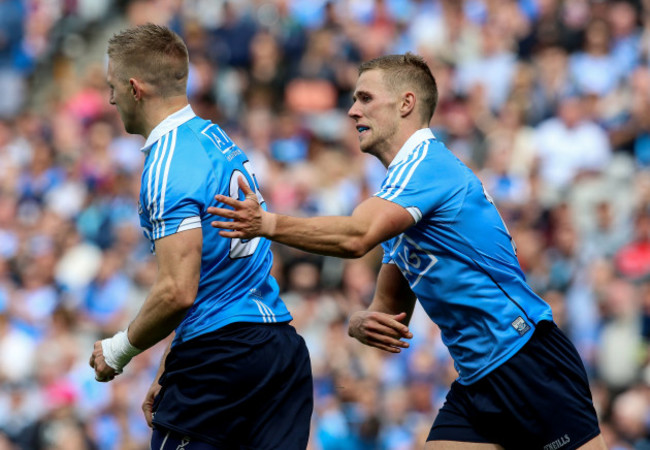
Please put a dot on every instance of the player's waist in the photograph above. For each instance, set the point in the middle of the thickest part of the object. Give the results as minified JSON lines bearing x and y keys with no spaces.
{"x":194,"y":327}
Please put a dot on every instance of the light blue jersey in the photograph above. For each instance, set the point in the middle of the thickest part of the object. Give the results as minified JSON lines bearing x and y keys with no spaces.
{"x":188,"y":161}
{"x":459,"y":258}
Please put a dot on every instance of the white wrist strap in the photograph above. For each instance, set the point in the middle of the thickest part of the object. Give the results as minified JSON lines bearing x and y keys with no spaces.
{"x":118,"y":351}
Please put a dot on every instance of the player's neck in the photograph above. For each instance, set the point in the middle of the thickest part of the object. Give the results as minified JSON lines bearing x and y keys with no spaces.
{"x":395,"y":144}
{"x":157,"y":110}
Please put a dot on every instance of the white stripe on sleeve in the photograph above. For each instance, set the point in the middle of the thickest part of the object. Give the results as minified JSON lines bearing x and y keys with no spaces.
{"x":156,"y":153}
{"x":189,"y":223}
{"x":163,"y":188}
{"x":156,"y":205}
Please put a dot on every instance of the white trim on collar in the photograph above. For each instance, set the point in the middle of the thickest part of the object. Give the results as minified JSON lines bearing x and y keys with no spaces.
{"x":416,"y":139}
{"x":171,"y":122}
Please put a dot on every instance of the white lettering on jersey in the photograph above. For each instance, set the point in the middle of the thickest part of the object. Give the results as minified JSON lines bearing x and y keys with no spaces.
{"x":413,"y":260}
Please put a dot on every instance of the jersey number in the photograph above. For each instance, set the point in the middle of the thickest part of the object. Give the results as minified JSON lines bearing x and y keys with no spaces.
{"x":241,"y":248}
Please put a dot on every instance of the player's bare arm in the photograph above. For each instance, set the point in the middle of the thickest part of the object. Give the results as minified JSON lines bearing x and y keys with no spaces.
{"x":373,"y":221}
{"x":173,"y":293}
{"x":384,"y":324}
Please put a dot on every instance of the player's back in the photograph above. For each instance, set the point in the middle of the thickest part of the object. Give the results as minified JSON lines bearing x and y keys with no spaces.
{"x":186,"y":166}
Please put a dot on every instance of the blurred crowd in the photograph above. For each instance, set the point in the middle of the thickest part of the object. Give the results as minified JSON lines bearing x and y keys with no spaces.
{"x":548,"y":101}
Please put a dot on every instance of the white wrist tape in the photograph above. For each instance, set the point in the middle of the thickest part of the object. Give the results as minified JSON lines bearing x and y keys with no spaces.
{"x":118,"y":351}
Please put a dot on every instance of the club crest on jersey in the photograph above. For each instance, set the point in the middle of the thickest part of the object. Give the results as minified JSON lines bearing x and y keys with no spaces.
{"x":521,"y":326}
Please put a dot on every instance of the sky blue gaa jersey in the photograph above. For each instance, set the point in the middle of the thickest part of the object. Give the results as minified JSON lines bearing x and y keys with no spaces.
{"x":188,"y":161}
{"x":459,"y":258}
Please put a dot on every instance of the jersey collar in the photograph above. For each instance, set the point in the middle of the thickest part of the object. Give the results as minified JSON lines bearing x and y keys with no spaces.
{"x":172,"y":121}
{"x":411,"y":143}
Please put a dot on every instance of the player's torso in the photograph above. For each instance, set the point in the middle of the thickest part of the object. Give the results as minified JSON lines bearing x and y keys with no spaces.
{"x":183,"y":172}
{"x":460,"y":261}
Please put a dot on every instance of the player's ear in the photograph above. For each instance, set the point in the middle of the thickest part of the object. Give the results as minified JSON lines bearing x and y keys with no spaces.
{"x":407,"y":105}
{"x":136,"y":89}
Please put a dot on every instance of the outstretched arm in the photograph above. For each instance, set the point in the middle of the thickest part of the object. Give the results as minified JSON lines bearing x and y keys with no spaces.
{"x":385,"y":323}
{"x":373,"y":221}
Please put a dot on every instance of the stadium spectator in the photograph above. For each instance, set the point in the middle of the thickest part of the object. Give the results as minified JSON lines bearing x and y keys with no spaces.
{"x":493,"y":70}
{"x":633,"y":259}
{"x":594,"y":71}
{"x":569,"y":145}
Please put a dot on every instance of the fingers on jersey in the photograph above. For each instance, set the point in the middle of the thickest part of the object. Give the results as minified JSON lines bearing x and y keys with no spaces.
{"x":249,"y":194}
{"x":245,"y":188}
{"x":237,"y":204}
{"x":236,"y":215}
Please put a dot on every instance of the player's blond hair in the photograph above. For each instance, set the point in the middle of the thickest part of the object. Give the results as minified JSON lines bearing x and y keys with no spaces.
{"x":411,"y":72}
{"x":152,"y":53}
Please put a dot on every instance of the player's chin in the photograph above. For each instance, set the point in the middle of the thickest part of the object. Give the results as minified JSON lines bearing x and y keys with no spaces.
{"x":364,"y":146}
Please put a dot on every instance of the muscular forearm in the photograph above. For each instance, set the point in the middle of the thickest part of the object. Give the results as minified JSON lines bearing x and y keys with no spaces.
{"x":330,"y":235}
{"x":172,"y":294}
{"x":372,"y":222}
{"x":163,"y":310}
{"x":393,"y":294}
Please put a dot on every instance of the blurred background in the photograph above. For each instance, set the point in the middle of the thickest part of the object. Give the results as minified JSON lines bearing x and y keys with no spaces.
{"x":547,"y":100}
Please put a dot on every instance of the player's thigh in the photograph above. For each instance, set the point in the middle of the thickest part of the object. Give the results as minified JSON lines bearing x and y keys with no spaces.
{"x":456,"y":445}
{"x":282,"y":414}
{"x":597,"y":443}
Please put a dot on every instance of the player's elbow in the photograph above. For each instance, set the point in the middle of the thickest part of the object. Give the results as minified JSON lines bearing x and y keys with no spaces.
{"x":355,"y":247}
{"x":174,"y":296}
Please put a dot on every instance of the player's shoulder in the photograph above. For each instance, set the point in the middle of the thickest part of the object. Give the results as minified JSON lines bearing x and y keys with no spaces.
{"x":192,"y":132}
{"x":191,"y":143}
{"x":437,"y":158}
{"x":213,"y":140}
{"x":179,"y":156}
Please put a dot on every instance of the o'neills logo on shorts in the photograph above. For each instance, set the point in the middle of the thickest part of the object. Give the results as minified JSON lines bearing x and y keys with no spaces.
{"x":558,"y":443}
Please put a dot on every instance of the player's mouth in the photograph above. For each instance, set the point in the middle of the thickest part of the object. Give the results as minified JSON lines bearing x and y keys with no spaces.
{"x":362,"y":129}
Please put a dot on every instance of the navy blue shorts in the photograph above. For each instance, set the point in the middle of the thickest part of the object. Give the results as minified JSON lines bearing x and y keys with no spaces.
{"x":244,"y":386}
{"x":538,"y":399}
{"x":169,"y":440}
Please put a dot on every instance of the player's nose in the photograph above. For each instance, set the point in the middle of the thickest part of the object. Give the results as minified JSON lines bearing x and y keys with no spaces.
{"x":354,"y":112}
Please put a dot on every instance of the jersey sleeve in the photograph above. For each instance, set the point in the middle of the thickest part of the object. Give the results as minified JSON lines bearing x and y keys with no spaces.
{"x":174,"y":197}
{"x":425,"y":183}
